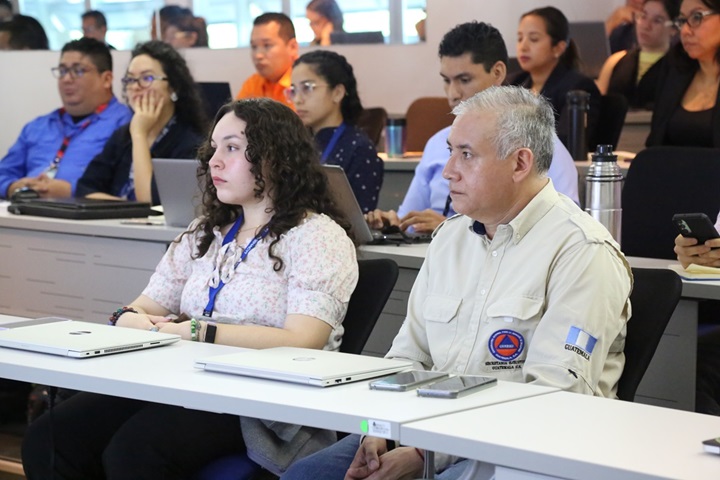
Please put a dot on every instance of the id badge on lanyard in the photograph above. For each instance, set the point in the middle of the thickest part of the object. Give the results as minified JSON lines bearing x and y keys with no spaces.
{"x":229,"y":237}
{"x":52,"y":170}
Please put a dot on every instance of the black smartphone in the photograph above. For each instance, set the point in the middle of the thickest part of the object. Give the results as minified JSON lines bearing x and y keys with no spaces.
{"x":695,"y":225}
{"x":404,"y":381}
{"x":458,"y":386}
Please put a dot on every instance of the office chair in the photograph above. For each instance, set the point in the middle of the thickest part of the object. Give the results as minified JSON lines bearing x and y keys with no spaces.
{"x":372,"y":121}
{"x":425,"y":117}
{"x":214,"y":95}
{"x":661,"y":182}
{"x":376,"y":280}
{"x":613,"y":108}
{"x":655,"y":294}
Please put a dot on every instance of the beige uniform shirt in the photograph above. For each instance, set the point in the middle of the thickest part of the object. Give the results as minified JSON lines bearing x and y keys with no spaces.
{"x":545,"y":301}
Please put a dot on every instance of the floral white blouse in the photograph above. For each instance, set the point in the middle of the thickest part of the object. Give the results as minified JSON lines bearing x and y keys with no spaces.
{"x":317,"y":279}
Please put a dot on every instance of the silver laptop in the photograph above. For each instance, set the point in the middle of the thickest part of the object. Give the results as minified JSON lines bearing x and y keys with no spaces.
{"x":341,"y":190}
{"x":321,"y":368}
{"x":177,"y":183}
{"x":59,"y":336}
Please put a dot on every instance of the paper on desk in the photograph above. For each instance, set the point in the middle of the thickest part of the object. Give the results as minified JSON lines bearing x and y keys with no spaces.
{"x":696,"y":272}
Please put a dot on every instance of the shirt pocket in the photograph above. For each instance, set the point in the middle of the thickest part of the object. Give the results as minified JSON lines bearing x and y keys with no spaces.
{"x":440,"y":313}
{"x":511,"y":325}
{"x":516,"y":308}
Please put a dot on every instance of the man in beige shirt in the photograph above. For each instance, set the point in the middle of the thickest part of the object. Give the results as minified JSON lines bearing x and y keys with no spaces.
{"x":521,"y":285}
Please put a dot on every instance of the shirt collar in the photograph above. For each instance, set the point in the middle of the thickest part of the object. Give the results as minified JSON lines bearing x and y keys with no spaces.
{"x":536,"y":209}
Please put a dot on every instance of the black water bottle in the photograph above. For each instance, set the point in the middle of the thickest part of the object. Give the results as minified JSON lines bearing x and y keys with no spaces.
{"x":578,"y":104}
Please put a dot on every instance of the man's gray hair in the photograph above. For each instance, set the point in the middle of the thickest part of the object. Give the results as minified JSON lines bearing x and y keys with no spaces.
{"x":524,"y":120}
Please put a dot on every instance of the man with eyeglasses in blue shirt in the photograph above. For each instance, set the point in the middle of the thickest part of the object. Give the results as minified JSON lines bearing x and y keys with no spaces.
{"x":53,"y":150}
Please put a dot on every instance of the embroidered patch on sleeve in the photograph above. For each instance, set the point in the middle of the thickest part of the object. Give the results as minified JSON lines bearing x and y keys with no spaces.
{"x":580,"y":342}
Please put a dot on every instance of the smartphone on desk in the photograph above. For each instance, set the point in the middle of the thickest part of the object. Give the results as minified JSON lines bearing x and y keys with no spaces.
{"x":695,"y":225}
{"x":458,"y":386}
{"x":404,"y":381}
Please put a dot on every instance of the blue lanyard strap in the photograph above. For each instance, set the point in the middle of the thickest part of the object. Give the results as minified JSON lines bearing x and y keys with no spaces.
{"x":229,"y":237}
{"x":333,"y":141}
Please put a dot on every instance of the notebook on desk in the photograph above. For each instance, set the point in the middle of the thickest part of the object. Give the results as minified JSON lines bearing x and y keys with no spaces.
{"x":320,"y":368}
{"x":76,"y":339}
{"x":347,"y":203}
{"x":179,"y":190}
{"x":81,"y":208}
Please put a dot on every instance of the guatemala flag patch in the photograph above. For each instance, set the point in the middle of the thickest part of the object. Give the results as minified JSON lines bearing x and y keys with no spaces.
{"x":580,"y":342}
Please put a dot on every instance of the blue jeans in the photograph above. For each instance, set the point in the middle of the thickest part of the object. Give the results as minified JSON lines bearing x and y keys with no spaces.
{"x":333,"y":462}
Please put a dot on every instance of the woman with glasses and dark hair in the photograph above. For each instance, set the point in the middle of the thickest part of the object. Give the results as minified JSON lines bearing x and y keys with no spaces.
{"x":168,"y":122}
{"x":325,"y":18}
{"x":687,"y":107}
{"x":550,"y":61}
{"x":269,"y":263}
{"x":635,"y":73}
{"x":325,"y":95}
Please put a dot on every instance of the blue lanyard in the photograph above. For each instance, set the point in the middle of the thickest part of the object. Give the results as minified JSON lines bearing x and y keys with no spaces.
{"x":333,"y":141}
{"x":229,"y":237}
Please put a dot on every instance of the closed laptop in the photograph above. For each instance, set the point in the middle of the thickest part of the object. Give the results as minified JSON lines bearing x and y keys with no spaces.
{"x":59,"y":336}
{"x":81,"y":208}
{"x":320,"y":368}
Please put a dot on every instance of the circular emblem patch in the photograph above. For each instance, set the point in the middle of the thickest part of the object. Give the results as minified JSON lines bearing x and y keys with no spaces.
{"x":506,"y":345}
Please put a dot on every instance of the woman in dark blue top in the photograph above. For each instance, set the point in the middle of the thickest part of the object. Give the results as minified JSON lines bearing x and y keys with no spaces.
{"x":324,"y":92}
{"x":550,"y":60}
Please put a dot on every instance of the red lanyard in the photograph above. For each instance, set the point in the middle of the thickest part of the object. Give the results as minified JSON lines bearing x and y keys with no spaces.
{"x":52,"y":169}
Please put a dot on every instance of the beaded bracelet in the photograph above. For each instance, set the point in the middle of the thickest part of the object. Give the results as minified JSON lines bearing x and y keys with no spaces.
{"x":118,"y":313}
{"x":193,"y":330}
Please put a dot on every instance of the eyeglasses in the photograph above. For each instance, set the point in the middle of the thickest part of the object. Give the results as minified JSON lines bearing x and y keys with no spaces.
{"x":76,"y":71}
{"x":694,"y":20}
{"x":304,"y":88}
{"x":143,"y":82}
{"x":656,"y":21}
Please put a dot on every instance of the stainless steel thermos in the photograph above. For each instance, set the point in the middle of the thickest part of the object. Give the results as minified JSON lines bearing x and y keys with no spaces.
{"x":603,"y":190}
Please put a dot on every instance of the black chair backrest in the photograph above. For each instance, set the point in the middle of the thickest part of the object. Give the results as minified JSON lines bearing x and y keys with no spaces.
{"x":372,"y":121}
{"x":214,"y":95}
{"x":613,"y":108}
{"x":356,"y":37}
{"x":376,"y":281}
{"x":655,"y":295}
{"x":661,"y":182}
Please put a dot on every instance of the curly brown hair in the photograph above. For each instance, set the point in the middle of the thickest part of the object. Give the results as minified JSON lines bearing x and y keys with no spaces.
{"x":284,"y":157}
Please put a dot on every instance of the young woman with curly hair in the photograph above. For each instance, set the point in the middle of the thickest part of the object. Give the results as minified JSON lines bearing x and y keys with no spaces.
{"x":266,"y":265}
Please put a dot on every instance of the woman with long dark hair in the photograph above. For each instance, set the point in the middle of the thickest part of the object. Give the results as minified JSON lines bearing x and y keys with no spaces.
{"x":269,"y":263}
{"x":550,"y":61}
{"x":168,"y":122}
{"x":324,"y":91}
{"x":687,"y":108}
{"x":325,"y":17}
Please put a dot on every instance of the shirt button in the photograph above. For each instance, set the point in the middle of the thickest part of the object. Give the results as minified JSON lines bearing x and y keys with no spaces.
{"x":494,"y":253}
{"x":482,"y":292}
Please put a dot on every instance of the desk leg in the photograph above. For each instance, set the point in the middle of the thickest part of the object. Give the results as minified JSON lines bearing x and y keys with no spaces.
{"x":429,"y":465}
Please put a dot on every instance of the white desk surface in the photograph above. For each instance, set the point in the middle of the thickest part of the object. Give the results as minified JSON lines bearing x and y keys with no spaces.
{"x":574,"y":436}
{"x":166,"y":375}
{"x":97,"y":228}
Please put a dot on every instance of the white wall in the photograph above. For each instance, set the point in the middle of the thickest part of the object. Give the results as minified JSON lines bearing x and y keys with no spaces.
{"x":388,"y":75}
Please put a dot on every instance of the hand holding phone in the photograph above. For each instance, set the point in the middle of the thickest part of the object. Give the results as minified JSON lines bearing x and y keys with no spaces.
{"x":695,"y":225}
{"x":458,"y":386}
{"x":404,"y":381}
